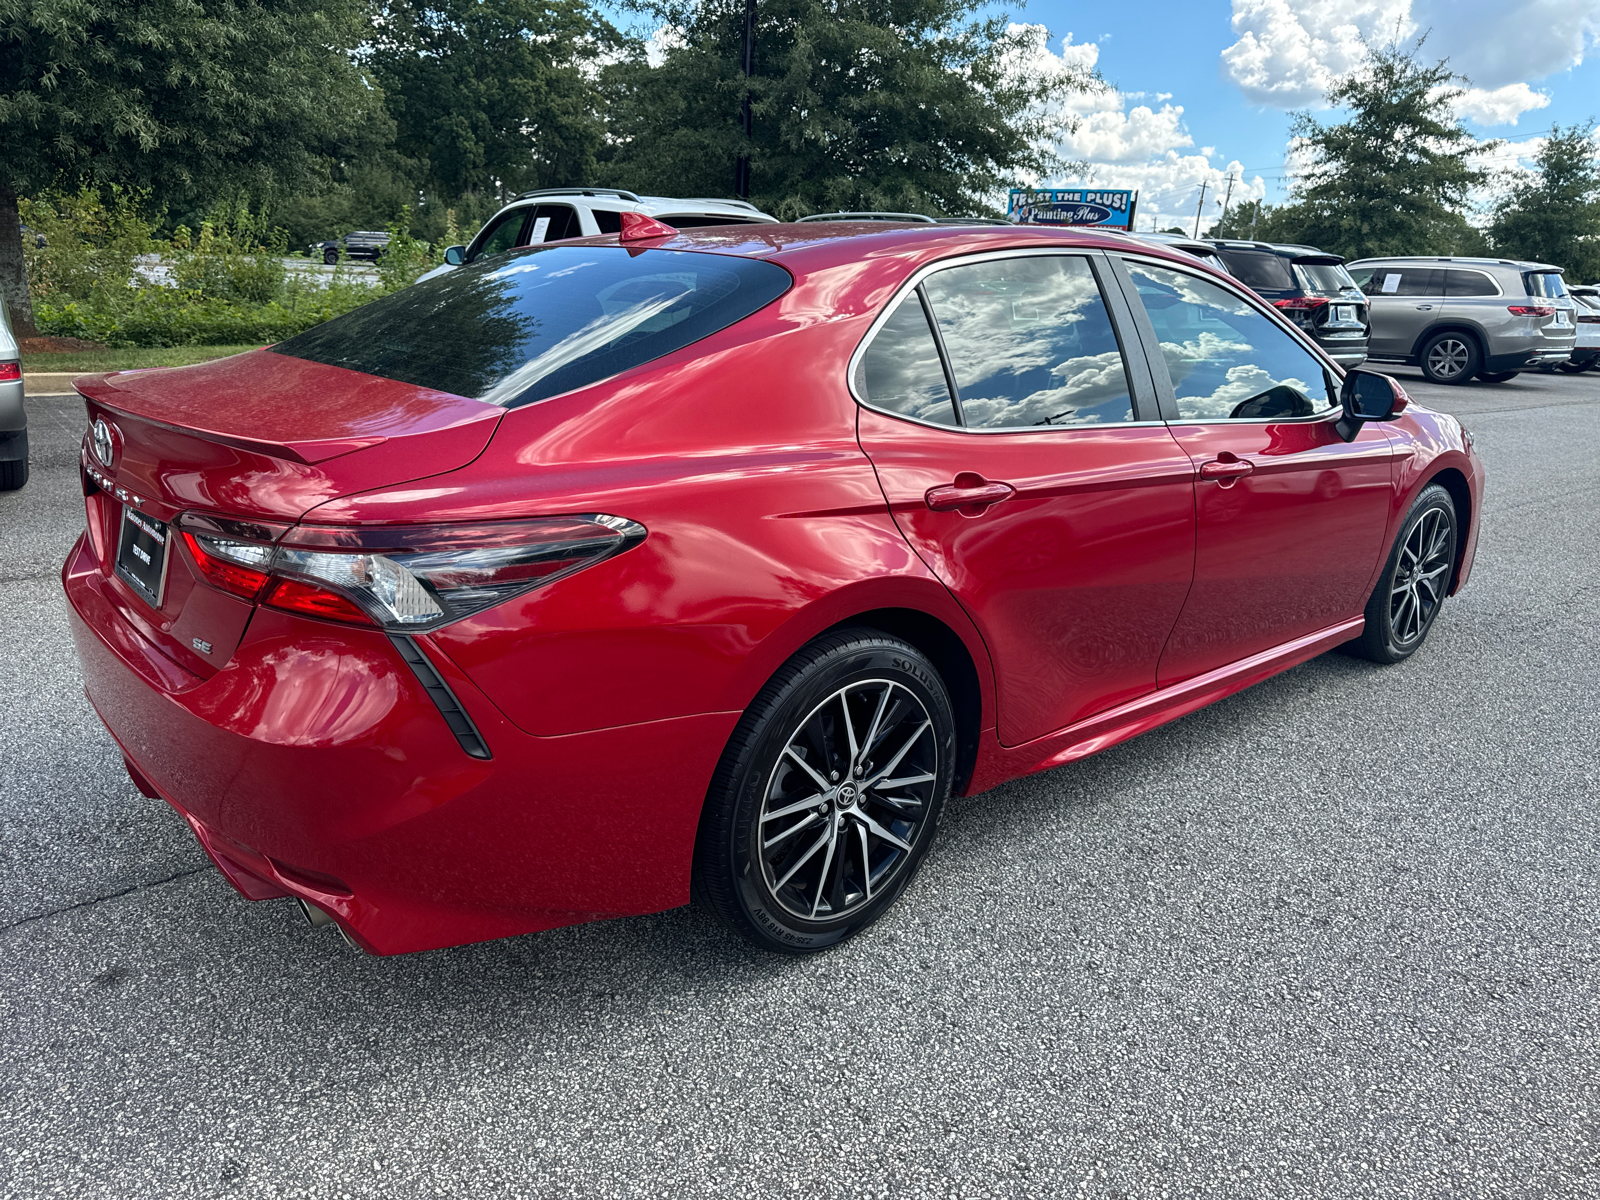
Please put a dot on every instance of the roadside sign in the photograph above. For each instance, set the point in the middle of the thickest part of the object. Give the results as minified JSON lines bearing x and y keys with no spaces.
{"x":1111,"y":208}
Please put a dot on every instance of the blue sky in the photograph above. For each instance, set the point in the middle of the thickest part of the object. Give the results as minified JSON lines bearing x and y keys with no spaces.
{"x":1208,"y":85}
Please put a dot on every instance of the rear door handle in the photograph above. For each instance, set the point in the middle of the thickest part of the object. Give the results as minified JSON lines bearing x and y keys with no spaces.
{"x":1226,"y":470}
{"x":970,"y":494}
{"x":1424,"y":307}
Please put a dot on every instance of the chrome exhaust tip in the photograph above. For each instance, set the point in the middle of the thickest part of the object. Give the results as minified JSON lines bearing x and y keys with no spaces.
{"x":314,"y":916}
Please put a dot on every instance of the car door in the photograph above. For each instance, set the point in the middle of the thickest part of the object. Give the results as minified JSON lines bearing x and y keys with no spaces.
{"x":1290,"y":517}
{"x":1403,"y":302}
{"x":1023,"y":457}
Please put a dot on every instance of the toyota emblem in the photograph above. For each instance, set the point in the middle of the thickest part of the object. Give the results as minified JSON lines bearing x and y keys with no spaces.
{"x":105,"y":446}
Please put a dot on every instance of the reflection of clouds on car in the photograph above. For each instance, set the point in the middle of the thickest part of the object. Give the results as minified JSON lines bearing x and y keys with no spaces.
{"x":1085,"y":382}
{"x":1030,"y":342}
{"x":1225,"y":359}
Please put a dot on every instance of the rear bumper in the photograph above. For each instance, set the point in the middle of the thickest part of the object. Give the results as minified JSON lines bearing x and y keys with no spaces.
{"x":315,"y":765}
{"x":13,"y":415}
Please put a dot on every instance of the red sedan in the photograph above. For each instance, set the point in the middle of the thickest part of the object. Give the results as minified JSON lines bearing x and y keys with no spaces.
{"x":600,"y":574}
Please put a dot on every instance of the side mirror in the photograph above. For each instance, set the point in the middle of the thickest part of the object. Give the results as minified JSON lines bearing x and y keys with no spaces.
{"x":1368,"y":396}
{"x":455,"y":255}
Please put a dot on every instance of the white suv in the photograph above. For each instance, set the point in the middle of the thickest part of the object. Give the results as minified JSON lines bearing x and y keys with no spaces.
{"x":557,"y":213}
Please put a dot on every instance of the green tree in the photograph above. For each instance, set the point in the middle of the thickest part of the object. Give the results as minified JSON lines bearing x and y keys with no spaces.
{"x":494,"y":95}
{"x":1553,"y":214}
{"x":915,"y":105}
{"x":1395,"y":177}
{"x":1256,"y":220}
{"x":177,"y":98}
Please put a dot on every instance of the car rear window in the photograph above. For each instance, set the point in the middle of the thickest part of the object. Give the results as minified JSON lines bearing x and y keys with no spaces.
{"x":1259,"y":269}
{"x":1323,"y":279}
{"x":1545,"y":283}
{"x":544,"y":320}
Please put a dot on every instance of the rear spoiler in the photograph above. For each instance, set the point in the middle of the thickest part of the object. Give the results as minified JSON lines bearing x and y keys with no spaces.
{"x":1318,"y":260}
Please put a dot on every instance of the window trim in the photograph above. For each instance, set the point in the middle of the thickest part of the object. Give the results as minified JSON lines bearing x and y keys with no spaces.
{"x":1142,"y":394}
{"x":1157,"y":364}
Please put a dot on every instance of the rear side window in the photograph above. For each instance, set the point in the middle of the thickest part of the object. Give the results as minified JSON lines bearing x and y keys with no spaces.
{"x":1546,"y":284}
{"x":1030,"y":343}
{"x":552,"y":223}
{"x":1258,"y":269}
{"x":901,"y":373}
{"x":1469,"y":283}
{"x":543,"y":320}
{"x":1406,"y":281}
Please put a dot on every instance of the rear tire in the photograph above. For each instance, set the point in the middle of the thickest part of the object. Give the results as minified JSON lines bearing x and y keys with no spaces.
{"x":1572,"y":368}
{"x":1450,"y":357}
{"x":1415,"y":578}
{"x":14,"y":473}
{"x":1498,"y":376}
{"x":828,"y":794}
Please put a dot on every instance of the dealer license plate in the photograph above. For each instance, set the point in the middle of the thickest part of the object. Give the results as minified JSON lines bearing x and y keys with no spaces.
{"x":1561,"y":316}
{"x":1344,"y":312}
{"x":142,"y":554}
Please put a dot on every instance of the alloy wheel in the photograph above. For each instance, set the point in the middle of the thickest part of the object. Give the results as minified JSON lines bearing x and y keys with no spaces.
{"x":1420,"y":577}
{"x":1448,"y":357}
{"x":847,"y":800}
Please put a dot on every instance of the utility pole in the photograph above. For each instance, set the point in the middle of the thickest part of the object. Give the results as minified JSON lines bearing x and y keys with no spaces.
{"x":741,"y":169}
{"x":1198,"y":207}
{"x":1228,"y":197}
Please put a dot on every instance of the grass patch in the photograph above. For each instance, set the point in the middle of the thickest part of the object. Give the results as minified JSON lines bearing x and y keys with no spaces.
{"x":86,"y":361}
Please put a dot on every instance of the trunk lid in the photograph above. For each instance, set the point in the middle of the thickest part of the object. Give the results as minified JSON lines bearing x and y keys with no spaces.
{"x":260,"y":437}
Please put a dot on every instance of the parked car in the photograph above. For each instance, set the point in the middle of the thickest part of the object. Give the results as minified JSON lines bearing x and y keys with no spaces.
{"x":1461,"y":319}
{"x":1204,"y":251}
{"x":557,"y":214}
{"x":1586,"y":352}
{"x":33,"y":235}
{"x":530,"y":594}
{"x":898,"y":217}
{"x":13,"y":416}
{"x":1311,"y":287}
{"x":365,"y":244}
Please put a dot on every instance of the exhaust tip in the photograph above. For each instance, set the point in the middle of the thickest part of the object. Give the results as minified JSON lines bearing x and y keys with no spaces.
{"x":314,"y":916}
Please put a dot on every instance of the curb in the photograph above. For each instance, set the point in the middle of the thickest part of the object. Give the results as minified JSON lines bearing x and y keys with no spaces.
{"x":49,"y":383}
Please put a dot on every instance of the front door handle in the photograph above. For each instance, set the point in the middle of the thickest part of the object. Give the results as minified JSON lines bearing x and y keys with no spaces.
{"x":969,"y":495}
{"x":1226,"y":469}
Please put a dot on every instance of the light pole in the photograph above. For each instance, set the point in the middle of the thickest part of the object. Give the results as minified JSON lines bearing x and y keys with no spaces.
{"x":741,"y":169}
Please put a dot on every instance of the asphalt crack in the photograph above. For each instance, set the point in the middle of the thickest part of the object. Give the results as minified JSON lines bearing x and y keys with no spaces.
{"x":127,"y":891}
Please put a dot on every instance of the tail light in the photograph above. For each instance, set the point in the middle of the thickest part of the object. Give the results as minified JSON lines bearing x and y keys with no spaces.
{"x":410,"y":577}
{"x":1531,"y":310}
{"x":1301,"y":302}
{"x":10,"y":371}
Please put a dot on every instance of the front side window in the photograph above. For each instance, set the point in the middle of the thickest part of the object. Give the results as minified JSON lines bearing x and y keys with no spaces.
{"x":1226,"y":360}
{"x":502,"y":235}
{"x":1030,"y":343}
{"x":543,"y":320}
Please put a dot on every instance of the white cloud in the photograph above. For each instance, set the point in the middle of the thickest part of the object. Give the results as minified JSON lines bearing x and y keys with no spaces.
{"x":1502,"y":106}
{"x":1136,"y":145}
{"x":1289,"y":52}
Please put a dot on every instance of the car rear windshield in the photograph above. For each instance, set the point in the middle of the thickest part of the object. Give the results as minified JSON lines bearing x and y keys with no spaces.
{"x":544,"y":320}
{"x":1545,"y":283}
{"x":1259,"y":269}
{"x":1323,"y":279}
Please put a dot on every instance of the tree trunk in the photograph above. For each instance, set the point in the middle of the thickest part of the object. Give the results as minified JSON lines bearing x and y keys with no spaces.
{"x":13,"y":270}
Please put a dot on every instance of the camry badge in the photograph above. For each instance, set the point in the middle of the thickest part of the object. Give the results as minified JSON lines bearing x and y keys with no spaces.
{"x":105,"y":446}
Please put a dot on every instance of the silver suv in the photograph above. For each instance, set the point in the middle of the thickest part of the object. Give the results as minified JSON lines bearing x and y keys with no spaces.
{"x":1466,"y":318}
{"x":554,"y":214}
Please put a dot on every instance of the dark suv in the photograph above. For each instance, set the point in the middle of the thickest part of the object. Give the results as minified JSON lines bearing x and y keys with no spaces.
{"x":1311,"y":287}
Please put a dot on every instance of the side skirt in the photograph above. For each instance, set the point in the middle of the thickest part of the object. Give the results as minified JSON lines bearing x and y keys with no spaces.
{"x":997,"y":763}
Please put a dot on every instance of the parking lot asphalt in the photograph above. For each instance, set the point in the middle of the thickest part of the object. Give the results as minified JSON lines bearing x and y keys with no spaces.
{"x":1334,"y":936}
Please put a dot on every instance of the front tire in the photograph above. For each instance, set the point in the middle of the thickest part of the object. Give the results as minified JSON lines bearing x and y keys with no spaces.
{"x":1450,"y":357}
{"x":330,"y":257}
{"x":1412,"y":588}
{"x":828,"y":794}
